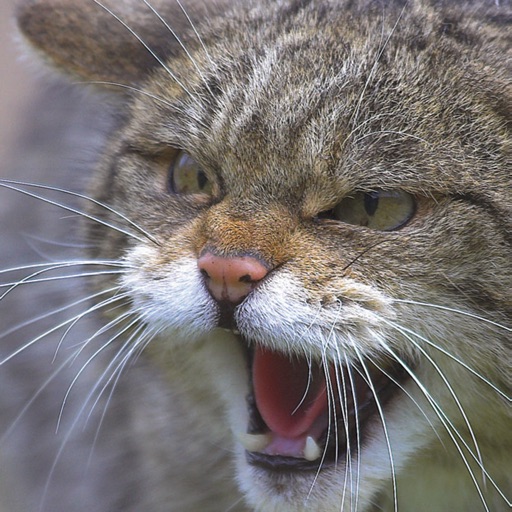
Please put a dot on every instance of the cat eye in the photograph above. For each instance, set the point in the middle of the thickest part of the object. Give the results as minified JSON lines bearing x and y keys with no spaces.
{"x":186,"y":176}
{"x":383,"y":210}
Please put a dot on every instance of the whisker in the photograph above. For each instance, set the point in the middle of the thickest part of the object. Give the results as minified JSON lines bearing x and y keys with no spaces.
{"x":148,"y":48}
{"x":113,"y":365}
{"x":450,"y":430}
{"x":457,"y":360}
{"x":96,"y":307}
{"x":113,"y":323}
{"x":235,"y":504}
{"x":194,"y":29}
{"x":448,"y":387}
{"x":362,"y":253}
{"x":103,"y":347}
{"x":178,"y":40}
{"x":144,"y":341}
{"x":131,"y":88}
{"x":68,"y":435}
{"x":113,"y":381}
{"x":63,"y":264}
{"x":373,"y":70}
{"x":341,"y":385}
{"x":55,"y":243}
{"x":368,"y":379}
{"x":331,"y":403}
{"x":364,"y":123}
{"x":391,"y":132}
{"x":158,"y":99}
{"x":308,"y":385}
{"x":358,"y":430}
{"x":406,"y":392}
{"x":54,"y":312}
{"x":331,"y":391}
{"x":40,"y":246}
{"x":324,"y":452}
{"x":457,"y":311}
{"x":14,"y":185}
{"x":30,"y":280}
{"x":40,"y":337}
{"x":329,"y":398}
{"x":34,"y":397}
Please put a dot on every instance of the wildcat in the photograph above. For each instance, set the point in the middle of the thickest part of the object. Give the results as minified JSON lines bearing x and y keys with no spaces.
{"x":297,"y":244}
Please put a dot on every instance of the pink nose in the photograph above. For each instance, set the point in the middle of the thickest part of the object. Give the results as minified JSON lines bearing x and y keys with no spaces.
{"x":231,"y":279}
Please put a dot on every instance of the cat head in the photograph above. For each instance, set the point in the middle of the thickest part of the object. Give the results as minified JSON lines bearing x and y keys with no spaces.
{"x":319,"y":192}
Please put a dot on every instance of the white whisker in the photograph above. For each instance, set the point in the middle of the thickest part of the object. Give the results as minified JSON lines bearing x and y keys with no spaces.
{"x":173,"y":107}
{"x":113,"y":369}
{"x":457,"y":360}
{"x":148,"y":48}
{"x":179,"y":41}
{"x":34,"y":397}
{"x":32,"y":342}
{"x":367,"y":377}
{"x":14,"y":185}
{"x":406,"y":392}
{"x":358,"y":431}
{"x":54,"y":312}
{"x":330,"y":399}
{"x":72,"y":427}
{"x":341,"y":385}
{"x":113,"y":380}
{"x":193,"y":27}
{"x":64,"y":264}
{"x":31,"y":279}
{"x":450,"y":430}
{"x":133,"y":89}
{"x":448,"y":387}
{"x":95,"y":307}
{"x":103,"y":347}
{"x":308,"y":385}
{"x":391,"y":132}
{"x":373,"y":70}
{"x":454,"y":310}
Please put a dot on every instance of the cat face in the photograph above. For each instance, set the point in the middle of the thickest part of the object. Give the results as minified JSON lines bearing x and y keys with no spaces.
{"x":315,"y":210}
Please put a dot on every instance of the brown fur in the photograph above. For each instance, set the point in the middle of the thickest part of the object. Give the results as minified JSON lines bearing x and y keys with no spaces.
{"x":290,"y":107}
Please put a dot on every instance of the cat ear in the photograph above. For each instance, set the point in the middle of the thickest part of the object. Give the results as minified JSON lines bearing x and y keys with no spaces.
{"x":111,"y":40}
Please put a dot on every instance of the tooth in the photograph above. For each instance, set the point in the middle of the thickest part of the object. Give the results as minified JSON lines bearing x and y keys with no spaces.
{"x":312,"y":451}
{"x":254,"y":442}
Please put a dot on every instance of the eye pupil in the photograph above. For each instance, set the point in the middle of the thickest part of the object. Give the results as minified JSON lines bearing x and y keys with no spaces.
{"x":202,"y":180}
{"x":381,"y":210}
{"x":186,"y":177}
{"x":371,"y":203}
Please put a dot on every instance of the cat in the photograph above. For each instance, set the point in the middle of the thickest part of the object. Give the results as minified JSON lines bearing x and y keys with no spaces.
{"x":293,"y":288}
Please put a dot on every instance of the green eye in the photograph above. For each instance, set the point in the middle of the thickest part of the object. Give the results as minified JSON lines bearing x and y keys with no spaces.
{"x":383,"y":210}
{"x":186,"y":177}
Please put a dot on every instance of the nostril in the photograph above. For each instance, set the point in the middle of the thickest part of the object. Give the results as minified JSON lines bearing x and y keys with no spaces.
{"x":231,"y":279}
{"x":247,"y":278}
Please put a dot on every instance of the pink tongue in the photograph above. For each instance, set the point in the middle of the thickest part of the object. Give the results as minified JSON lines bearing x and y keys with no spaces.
{"x":289,"y":394}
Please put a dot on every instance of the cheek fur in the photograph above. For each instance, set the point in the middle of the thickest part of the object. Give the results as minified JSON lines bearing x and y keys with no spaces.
{"x":171,"y":296}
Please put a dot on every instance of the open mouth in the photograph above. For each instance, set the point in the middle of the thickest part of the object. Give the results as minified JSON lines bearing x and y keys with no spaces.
{"x":305,"y":414}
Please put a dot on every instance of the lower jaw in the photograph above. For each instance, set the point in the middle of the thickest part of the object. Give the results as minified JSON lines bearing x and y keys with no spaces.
{"x":282,"y":464}
{"x":350,"y":434}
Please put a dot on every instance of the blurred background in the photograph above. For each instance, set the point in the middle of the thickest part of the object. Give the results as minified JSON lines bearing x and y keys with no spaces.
{"x":48,"y":135}
{"x":17,"y":83}
{"x":16,"y":86}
